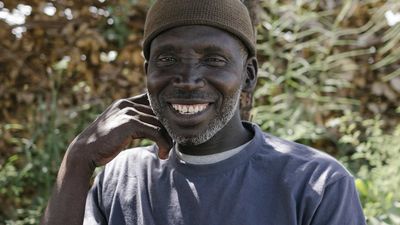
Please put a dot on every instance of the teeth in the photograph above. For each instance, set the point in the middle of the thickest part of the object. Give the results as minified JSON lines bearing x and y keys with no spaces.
{"x":189,"y":109}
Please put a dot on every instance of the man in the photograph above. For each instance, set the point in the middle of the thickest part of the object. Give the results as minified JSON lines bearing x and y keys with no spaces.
{"x":207,"y":167}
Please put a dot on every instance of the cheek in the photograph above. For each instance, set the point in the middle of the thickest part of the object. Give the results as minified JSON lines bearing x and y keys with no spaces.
{"x":226,"y":82}
{"x":156,"y":82}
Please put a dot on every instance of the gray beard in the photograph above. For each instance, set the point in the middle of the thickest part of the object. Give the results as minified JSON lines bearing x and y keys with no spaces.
{"x":229,"y":107}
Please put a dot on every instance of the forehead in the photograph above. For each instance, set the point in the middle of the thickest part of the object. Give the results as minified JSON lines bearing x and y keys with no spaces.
{"x":198,"y":38}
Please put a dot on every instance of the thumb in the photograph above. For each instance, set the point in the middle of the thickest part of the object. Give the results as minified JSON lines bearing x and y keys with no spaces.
{"x":164,"y":143}
{"x":163,"y":152}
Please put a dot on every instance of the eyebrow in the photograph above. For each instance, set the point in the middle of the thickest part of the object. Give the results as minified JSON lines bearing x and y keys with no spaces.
{"x":213,"y":48}
{"x":166,"y":48}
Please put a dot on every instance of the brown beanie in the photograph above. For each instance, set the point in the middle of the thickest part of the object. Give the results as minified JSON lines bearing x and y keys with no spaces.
{"x":228,"y":15}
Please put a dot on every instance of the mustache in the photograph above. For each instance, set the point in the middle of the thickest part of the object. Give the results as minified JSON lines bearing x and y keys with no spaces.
{"x":181,"y":94}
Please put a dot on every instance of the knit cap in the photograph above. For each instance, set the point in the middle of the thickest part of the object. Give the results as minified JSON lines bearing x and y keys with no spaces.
{"x":229,"y":15}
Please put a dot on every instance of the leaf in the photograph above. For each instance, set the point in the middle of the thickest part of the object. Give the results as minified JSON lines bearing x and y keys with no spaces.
{"x":395,"y":83}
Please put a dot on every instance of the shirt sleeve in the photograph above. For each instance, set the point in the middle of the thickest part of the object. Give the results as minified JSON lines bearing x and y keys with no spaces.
{"x":340,"y":205}
{"x":94,"y":215}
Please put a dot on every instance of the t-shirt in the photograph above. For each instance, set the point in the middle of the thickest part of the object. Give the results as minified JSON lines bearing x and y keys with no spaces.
{"x":270,"y":182}
{"x":209,"y":159}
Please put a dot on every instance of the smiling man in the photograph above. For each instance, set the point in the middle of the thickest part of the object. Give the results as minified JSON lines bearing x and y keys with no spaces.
{"x":207,"y":166}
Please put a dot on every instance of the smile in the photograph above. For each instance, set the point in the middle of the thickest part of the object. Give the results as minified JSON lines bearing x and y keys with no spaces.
{"x":189,"y":109}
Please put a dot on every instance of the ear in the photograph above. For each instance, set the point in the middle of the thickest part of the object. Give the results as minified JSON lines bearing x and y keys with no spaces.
{"x":146,"y":67}
{"x":251,"y":74}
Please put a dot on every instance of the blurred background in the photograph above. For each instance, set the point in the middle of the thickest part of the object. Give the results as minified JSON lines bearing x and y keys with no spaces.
{"x":329,"y":77}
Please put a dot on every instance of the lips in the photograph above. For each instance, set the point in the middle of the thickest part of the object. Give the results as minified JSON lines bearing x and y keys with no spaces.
{"x":189,"y":109}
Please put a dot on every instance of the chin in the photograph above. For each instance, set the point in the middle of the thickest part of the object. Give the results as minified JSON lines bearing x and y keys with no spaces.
{"x":191,"y":140}
{"x":195,"y":130}
{"x":196,"y":138}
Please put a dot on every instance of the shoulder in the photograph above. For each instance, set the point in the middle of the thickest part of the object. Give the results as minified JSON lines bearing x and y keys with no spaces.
{"x":298,"y":164}
{"x":305,"y":156}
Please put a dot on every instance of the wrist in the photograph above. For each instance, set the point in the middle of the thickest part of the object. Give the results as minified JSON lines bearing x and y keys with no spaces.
{"x":77,"y":160}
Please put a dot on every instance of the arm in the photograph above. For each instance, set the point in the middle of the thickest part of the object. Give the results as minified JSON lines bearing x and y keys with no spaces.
{"x":67,"y":203}
{"x":340,"y":205}
{"x":97,"y":145}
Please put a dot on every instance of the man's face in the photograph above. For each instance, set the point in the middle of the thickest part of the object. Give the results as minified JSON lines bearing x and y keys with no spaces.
{"x":194,"y":80}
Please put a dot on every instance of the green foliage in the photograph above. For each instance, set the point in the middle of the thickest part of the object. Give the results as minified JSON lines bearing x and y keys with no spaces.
{"x":329,"y":77}
{"x":27,"y":177}
{"x":376,"y":161}
{"x":119,"y":30}
{"x":324,"y":73}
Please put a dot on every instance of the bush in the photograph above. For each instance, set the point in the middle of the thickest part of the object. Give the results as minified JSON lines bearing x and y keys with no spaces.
{"x":329,"y":78}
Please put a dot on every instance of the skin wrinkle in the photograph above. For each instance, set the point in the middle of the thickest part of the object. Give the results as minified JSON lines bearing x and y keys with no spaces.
{"x":194,"y":73}
{"x":169,"y":48}
{"x":220,"y":74}
{"x":211,"y":48}
{"x":214,"y":74}
{"x":229,"y":107}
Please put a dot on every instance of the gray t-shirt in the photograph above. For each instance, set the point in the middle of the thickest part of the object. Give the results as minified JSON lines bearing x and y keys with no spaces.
{"x":270,"y":182}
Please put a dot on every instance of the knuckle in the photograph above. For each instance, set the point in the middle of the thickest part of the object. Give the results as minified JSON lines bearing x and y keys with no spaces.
{"x":117,"y":102}
{"x":121,"y":103}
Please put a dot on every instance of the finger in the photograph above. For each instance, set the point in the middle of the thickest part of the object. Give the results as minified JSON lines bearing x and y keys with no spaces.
{"x":159,"y":135}
{"x":114,"y":108}
{"x":145,"y":109}
{"x":164,"y":147}
{"x":140,"y":116}
{"x":163,"y":153}
{"x":110,"y":110}
{"x":125,"y":103}
{"x":140,"y":99}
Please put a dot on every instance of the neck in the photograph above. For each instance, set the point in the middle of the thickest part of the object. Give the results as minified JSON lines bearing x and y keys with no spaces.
{"x":231,"y":136}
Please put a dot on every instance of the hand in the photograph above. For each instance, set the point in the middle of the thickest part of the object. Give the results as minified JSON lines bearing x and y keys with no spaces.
{"x":125,"y":119}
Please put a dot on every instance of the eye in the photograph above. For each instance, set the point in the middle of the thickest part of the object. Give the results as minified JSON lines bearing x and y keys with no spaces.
{"x":215,"y":61}
{"x":165,"y":60}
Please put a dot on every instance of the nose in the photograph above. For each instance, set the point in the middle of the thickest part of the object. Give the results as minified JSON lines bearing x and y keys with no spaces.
{"x":189,"y":77}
